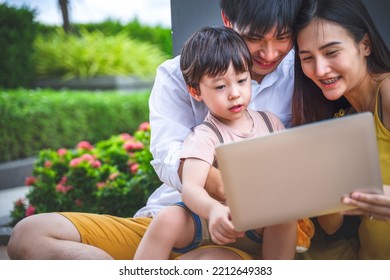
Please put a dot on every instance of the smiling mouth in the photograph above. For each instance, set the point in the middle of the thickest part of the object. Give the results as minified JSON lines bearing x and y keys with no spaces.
{"x":266,"y":64}
{"x":331,"y":81}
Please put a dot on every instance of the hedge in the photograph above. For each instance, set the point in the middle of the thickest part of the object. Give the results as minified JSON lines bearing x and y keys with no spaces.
{"x":41,"y":119}
{"x":17,"y":33}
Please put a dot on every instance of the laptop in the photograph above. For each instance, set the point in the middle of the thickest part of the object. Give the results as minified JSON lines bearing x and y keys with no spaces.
{"x":299,"y":172}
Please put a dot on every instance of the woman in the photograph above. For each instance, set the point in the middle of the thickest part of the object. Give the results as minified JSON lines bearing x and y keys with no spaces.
{"x":343,"y":63}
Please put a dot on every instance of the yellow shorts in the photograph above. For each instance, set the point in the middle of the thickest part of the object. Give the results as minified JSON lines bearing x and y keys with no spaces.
{"x":119,"y":237}
{"x":241,"y":254}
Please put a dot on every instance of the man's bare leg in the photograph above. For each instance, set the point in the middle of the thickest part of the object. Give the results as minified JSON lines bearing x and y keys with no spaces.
{"x":50,"y":236}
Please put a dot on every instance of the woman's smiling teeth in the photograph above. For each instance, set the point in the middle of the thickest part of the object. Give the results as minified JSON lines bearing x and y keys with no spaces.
{"x":330,"y":81}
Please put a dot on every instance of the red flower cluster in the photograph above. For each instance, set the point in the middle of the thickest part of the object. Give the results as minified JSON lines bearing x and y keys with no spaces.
{"x":131,"y":146}
{"x":113,"y":177}
{"x":84,"y":145}
{"x":62,"y":187}
{"x":91,"y":159}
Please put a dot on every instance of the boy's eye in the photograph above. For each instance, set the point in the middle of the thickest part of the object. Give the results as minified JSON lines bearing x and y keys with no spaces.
{"x":219,"y":87}
{"x":241,"y":81}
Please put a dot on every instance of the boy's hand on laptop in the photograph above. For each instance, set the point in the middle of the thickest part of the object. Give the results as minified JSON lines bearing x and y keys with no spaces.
{"x":374,"y":206}
{"x":220,"y":226}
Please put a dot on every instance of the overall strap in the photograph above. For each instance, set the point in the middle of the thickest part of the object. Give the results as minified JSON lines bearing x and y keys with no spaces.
{"x":218,"y":134}
{"x":267,"y":121}
{"x":215,"y":129}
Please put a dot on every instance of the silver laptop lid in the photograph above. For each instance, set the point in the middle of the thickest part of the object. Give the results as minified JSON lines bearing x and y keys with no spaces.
{"x":299,"y":172}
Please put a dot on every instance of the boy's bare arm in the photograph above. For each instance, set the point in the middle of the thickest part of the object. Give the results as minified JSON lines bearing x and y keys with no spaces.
{"x":213,"y":185}
{"x":195,"y":196}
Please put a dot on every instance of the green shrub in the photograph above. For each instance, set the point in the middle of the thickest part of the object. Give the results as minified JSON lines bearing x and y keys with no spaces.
{"x":35,"y":120}
{"x":93,"y":54}
{"x":113,"y":177}
{"x":156,"y":35}
{"x":17,"y":34}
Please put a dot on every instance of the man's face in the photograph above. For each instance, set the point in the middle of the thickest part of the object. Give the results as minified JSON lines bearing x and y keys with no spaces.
{"x":266,"y":51}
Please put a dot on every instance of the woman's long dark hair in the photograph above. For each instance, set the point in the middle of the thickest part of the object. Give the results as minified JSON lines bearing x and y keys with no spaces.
{"x":309,"y":103}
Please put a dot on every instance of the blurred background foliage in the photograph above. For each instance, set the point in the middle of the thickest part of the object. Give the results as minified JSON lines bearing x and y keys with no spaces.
{"x":32,"y":119}
{"x":93,"y":53}
{"x":31,"y":50}
{"x":17,"y":32}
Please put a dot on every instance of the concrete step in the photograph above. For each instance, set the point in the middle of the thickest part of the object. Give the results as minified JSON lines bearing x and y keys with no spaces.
{"x":7,"y":199}
{"x":3,"y":253}
{"x":14,"y":173}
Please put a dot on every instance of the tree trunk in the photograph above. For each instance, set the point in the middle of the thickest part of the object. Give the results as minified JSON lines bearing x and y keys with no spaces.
{"x":64,"y":4}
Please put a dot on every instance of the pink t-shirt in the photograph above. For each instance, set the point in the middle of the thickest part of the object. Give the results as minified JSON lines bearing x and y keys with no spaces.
{"x":201,"y":142}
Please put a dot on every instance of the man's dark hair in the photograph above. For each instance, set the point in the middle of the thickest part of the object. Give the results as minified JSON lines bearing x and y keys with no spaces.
{"x":259,"y":17}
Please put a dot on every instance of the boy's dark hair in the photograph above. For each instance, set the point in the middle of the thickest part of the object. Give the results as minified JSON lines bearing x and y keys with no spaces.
{"x":259,"y":17}
{"x":210,"y":51}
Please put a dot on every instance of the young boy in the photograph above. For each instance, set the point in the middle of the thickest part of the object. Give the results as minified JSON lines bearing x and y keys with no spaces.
{"x":216,"y":64}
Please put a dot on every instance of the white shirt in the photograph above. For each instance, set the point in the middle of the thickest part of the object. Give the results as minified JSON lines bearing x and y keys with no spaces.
{"x":174,"y":114}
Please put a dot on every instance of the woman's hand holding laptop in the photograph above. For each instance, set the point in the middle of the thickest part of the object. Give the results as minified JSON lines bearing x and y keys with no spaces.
{"x":375,"y":206}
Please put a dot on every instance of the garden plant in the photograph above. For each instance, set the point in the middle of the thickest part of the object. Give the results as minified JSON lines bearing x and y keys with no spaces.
{"x":112,"y":177}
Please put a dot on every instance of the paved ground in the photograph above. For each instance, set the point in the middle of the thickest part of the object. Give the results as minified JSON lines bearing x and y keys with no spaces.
{"x":3,"y":253}
{"x":7,"y":198}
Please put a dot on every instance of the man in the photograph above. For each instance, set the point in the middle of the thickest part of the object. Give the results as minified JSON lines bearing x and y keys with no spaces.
{"x":266,"y":28}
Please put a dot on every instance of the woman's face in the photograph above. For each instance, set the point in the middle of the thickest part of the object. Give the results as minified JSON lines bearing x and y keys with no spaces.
{"x":332,"y":59}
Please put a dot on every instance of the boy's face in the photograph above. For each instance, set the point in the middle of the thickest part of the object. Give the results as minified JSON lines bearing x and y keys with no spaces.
{"x":227,"y":96}
{"x":267,"y":51}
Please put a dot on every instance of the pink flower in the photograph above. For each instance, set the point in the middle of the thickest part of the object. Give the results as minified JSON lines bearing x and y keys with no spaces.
{"x":78,"y":202}
{"x":134,"y":168}
{"x":63,"y":180}
{"x":145,"y":126}
{"x":62,"y":188}
{"x":30,"y":211}
{"x":84,"y":145}
{"x":62,"y":152}
{"x":113,"y":176}
{"x":30,"y":181}
{"x":48,"y":164}
{"x":126,"y":137}
{"x":133,"y":146}
{"x":88,"y":157}
{"x":100,"y":185}
{"x":95,"y":163}
{"x":91,"y":159}
{"x":75,"y":162}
